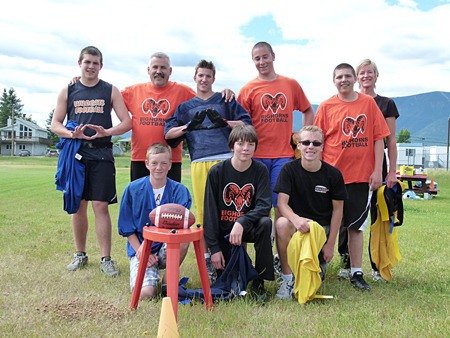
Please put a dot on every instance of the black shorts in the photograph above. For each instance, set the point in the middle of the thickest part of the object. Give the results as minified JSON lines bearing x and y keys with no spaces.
{"x":356,"y":206}
{"x":100,"y":181}
{"x":138,"y":170}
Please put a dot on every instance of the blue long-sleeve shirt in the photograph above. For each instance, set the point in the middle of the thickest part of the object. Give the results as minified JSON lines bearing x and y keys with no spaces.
{"x":138,"y":201}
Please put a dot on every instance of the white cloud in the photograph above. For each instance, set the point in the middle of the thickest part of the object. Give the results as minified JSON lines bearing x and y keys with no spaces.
{"x":40,"y":42}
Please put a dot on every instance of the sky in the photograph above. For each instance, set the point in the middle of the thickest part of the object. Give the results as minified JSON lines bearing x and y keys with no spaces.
{"x":40,"y":42}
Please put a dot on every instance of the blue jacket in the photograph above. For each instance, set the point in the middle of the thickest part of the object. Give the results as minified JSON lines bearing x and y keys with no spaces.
{"x":70,"y":172}
{"x":138,"y":201}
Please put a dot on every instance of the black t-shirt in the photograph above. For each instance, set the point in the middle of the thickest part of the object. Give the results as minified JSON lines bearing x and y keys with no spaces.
{"x":387,"y":106}
{"x":311,"y":193}
{"x":233,"y":196}
{"x":389,"y":109}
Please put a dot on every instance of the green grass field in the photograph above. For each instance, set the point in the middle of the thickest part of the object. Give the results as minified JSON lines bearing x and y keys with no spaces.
{"x":40,"y":298}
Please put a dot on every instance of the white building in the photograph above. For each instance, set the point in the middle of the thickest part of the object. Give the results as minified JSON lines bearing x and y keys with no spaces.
{"x":418,"y":155}
{"x":438,"y":157}
{"x":27,"y":136}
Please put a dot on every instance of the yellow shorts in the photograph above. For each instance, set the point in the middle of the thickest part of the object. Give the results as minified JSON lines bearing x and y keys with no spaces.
{"x":199,"y":174}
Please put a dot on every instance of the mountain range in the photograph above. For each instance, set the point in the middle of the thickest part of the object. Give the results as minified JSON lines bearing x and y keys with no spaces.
{"x":426,"y":116}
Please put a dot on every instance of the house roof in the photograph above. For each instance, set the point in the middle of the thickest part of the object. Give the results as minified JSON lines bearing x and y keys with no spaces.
{"x":29,"y":124}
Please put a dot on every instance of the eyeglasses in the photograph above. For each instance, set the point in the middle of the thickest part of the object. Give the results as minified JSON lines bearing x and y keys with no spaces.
{"x":308,"y":142}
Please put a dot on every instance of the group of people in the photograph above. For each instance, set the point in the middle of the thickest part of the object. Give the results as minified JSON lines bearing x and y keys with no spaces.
{"x":242,"y":163}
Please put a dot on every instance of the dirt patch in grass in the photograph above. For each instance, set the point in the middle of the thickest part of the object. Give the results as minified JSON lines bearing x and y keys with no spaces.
{"x":80,"y":309}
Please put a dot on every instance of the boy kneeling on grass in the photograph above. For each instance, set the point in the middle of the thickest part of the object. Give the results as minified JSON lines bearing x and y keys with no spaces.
{"x":139,"y":199}
{"x":238,"y":203}
{"x":309,"y":189}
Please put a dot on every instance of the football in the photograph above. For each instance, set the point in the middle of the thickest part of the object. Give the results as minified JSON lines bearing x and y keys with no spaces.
{"x":172,"y":216}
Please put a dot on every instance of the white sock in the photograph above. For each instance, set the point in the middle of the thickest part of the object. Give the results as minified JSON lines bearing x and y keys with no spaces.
{"x":353,"y":270}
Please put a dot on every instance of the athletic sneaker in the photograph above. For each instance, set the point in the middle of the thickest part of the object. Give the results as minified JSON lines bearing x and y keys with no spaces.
{"x":286,"y":289}
{"x":79,"y":260}
{"x":358,"y":281}
{"x":109,"y":267}
{"x":277,"y":265}
{"x":212,"y":274}
{"x":377,"y":277}
{"x":344,"y":273}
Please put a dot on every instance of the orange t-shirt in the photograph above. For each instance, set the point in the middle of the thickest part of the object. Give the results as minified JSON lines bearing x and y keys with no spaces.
{"x":350,"y":130}
{"x":271,"y":105}
{"x":150,"y":106}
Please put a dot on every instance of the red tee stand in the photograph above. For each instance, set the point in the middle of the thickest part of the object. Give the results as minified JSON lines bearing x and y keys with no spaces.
{"x":173,"y":238}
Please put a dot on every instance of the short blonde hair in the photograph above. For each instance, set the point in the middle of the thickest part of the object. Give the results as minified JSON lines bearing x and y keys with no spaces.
{"x":158,"y":148}
{"x":312,"y":129}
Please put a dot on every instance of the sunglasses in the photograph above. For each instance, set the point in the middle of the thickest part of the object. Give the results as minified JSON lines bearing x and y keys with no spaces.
{"x":308,"y":142}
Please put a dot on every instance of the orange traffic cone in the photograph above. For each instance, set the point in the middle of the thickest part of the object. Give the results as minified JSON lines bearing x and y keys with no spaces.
{"x":168,"y":327}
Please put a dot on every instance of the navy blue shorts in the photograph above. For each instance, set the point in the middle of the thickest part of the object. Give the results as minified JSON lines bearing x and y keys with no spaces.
{"x":274,"y":166}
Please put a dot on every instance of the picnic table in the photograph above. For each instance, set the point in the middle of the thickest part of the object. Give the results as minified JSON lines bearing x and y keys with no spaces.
{"x":422,"y":188}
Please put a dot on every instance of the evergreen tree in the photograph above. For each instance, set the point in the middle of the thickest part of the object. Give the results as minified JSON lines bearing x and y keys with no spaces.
{"x":9,"y":102}
{"x":51,"y":136}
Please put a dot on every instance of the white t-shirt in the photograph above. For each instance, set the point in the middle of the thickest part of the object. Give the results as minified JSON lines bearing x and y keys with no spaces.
{"x":158,"y":195}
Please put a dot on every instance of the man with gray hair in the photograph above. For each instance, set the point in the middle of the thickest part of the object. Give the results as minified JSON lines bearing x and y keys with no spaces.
{"x":151,"y":104}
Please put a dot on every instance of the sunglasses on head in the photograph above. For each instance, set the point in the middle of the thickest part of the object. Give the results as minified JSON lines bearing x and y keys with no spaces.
{"x":314,"y":143}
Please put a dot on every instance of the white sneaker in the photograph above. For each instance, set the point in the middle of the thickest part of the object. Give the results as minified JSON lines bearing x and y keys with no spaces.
{"x":377,"y":277}
{"x":78,"y":262}
{"x":344,"y":273}
{"x":109,"y":268}
{"x":286,"y":289}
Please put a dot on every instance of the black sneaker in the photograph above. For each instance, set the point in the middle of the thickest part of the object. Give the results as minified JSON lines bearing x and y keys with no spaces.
{"x":258,"y":292}
{"x":212,"y":273}
{"x":277,"y":265}
{"x":358,"y":281}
